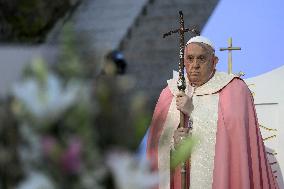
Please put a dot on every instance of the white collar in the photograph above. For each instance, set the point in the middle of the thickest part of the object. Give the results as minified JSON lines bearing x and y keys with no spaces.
{"x":215,"y":84}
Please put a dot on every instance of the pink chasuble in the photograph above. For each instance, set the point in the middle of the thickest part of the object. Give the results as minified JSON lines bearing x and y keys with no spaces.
{"x":240,"y":159}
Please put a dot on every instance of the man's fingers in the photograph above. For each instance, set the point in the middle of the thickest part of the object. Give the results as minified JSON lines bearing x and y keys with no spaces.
{"x":180,"y":94}
{"x":182,"y":129}
{"x":177,"y":100}
{"x":180,"y":133}
{"x":178,"y":103}
{"x":181,"y":99}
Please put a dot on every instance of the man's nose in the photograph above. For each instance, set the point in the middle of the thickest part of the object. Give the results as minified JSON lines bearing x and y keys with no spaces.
{"x":195,"y":63}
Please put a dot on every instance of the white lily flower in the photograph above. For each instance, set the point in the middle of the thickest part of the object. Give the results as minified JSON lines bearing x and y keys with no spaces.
{"x":36,"y":180}
{"x":130,"y":172}
{"x":46,"y":101}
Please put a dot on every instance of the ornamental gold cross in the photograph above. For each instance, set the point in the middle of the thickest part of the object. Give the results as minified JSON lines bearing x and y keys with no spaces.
{"x":230,"y":48}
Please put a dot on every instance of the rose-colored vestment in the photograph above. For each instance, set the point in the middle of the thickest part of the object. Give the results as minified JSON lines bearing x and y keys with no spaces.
{"x":240,"y":160}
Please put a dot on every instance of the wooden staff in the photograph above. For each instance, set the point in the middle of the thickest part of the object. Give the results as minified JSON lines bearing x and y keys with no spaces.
{"x":181,"y":85}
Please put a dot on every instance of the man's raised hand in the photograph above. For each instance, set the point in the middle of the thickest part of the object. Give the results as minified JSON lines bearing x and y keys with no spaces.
{"x":184,"y":103}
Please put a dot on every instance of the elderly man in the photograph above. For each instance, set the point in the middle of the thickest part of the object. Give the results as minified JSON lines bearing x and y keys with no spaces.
{"x":230,"y":153}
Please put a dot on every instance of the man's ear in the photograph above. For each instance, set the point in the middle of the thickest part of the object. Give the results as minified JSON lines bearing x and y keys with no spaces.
{"x":215,"y":60}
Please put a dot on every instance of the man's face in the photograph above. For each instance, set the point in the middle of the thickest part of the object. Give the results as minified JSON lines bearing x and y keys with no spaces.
{"x":200,"y":63}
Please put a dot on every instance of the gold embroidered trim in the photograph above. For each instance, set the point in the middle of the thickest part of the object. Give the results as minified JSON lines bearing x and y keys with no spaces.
{"x":204,"y":128}
{"x":166,"y":144}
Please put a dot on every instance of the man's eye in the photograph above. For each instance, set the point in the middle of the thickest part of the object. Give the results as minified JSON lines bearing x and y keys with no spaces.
{"x":201,"y":58}
{"x":190,"y":58}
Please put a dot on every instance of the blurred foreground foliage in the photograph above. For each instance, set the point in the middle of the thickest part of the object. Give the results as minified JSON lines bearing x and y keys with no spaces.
{"x":61,"y":121}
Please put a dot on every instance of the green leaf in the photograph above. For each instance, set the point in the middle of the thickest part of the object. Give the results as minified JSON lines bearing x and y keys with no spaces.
{"x":183,"y":151}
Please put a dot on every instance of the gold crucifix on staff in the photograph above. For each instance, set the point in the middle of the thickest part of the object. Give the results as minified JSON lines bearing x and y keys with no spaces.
{"x":230,"y":48}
